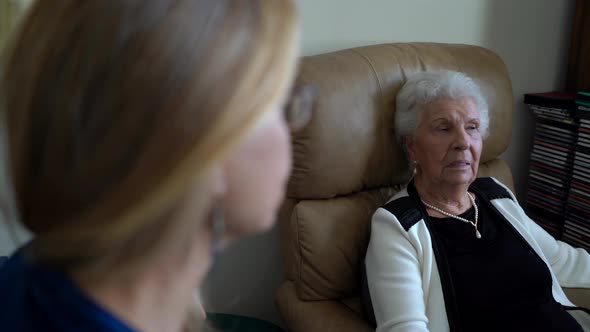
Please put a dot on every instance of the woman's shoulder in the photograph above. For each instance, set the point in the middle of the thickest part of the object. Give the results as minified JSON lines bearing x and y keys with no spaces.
{"x":395,"y":205}
{"x":14,"y":286}
{"x":491,"y":188}
{"x":400,"y":210}
{"x":400,"y":194}
{"x":14,"y":276}
{"x":34,"y":297}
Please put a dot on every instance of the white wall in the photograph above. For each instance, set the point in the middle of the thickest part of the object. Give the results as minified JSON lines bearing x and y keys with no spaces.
{"x":532,"y":37}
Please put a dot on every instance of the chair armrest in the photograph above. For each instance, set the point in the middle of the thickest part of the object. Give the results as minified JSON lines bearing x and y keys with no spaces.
{"x":317,"y":316}
{"x":579,"y":296}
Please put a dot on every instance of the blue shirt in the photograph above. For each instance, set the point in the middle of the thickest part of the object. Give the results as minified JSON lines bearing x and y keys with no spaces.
{"x":37,"y":298}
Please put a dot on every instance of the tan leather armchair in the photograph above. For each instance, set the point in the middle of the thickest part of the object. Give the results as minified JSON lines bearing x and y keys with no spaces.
{"x":347,"y":164}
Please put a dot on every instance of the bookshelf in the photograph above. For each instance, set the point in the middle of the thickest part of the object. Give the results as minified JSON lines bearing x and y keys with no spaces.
{"x":558,"y":196}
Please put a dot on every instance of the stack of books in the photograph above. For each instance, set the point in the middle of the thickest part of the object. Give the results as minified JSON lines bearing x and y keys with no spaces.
{"x":551,"y":159}
{"x":577,"y":224}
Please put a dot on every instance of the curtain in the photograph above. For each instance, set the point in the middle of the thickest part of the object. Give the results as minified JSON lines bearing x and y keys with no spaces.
{"x":578,"y":71}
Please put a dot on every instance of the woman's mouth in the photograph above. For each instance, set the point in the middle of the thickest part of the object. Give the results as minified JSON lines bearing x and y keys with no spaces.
{"x":459,"y":164}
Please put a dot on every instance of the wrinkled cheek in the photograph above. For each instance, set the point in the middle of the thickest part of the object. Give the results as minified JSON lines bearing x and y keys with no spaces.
{"x":475,"y":165}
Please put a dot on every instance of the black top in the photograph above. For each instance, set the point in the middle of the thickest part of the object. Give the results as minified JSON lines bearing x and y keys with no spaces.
{"x":500,"y":284}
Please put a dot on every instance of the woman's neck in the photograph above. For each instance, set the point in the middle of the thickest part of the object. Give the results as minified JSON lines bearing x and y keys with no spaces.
{"x":450,"y":198}
{"x":159,"y":298}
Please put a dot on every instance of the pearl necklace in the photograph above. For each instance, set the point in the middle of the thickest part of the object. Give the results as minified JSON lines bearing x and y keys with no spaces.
{"x":472,"y":199}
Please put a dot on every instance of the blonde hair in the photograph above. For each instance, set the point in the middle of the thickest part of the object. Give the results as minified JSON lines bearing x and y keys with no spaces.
{"x":116,"y":108}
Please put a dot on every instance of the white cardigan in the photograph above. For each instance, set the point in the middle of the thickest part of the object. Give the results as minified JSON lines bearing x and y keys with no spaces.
{"x":404,"y":281}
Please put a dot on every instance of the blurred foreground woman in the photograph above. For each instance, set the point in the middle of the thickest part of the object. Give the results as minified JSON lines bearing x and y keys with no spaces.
{"x":142,"y":135}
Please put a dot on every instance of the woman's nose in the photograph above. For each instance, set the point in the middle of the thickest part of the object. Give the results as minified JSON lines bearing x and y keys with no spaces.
{"x":461,"y":139}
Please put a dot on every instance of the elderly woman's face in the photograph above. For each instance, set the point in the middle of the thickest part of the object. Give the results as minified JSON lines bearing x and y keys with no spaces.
{"x":447,"y":143}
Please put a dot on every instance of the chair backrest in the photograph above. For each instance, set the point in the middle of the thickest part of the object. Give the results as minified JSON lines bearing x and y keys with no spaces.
{"x":347,"y":162}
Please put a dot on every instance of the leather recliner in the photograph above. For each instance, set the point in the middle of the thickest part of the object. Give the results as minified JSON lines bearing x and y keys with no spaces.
{"x":347,"y":163}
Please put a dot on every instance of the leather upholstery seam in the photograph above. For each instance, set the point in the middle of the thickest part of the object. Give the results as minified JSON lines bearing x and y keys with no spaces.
{"x":373,"y":70}
{"x":300,"y":260}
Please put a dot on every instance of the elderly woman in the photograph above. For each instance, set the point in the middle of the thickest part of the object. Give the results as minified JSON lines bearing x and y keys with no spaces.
{"x":454,"y":253}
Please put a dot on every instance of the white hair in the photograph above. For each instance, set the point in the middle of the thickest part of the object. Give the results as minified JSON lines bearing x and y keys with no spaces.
{"x":426,"y":87}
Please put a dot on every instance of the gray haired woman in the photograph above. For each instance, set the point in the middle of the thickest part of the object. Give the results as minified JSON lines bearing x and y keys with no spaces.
{"x":454,"y":253}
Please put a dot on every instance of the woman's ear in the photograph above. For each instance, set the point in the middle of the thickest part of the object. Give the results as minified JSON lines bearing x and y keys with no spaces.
{"x":408,"y":143}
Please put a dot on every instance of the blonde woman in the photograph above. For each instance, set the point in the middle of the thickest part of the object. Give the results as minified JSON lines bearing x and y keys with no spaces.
{"x":135,"y":127}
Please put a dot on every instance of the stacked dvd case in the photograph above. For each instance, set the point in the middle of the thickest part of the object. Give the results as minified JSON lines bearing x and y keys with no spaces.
{"x":577,"y":224}
{"x":551,"y":159}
